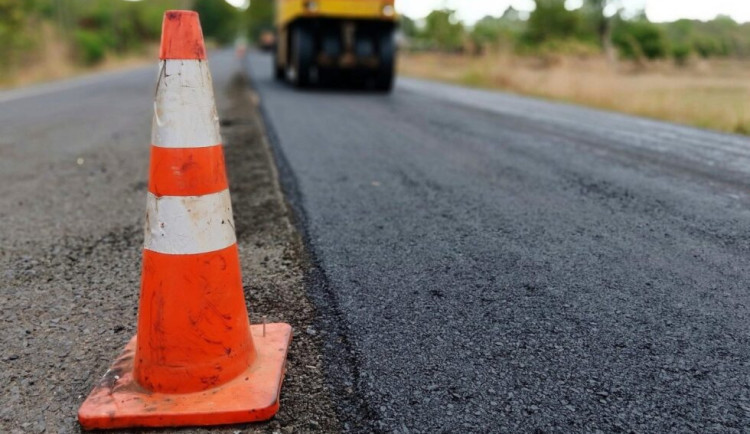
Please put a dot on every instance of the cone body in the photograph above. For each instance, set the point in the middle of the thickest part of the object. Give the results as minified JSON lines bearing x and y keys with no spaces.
{"x":194,"y":361}
{"x":193,"y":331}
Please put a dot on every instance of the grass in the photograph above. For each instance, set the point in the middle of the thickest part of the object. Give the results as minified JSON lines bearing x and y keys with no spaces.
{"x":706,"y":94}
{"x":53,"y":60}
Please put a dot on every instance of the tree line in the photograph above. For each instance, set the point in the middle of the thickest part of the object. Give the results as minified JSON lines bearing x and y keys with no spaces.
{"x":95,"y":29}
{"x":551,"y":27}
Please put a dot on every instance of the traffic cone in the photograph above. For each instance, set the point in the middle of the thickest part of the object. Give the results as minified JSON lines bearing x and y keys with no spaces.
{"x":195,"y":360}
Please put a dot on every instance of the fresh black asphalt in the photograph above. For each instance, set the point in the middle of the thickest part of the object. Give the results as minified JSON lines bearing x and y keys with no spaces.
{"x":483,"y":262}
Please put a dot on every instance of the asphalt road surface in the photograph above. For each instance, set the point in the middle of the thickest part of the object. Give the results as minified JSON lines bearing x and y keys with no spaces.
{"x":73,"y":170}
{"x":479,"y":262}
{"x":491,"y":263}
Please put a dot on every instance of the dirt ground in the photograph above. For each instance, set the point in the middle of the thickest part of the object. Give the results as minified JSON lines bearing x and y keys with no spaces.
{"x":70,"y":304}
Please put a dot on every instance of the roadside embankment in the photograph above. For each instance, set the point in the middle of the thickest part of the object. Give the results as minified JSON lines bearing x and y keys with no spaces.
{"x":711,"y":94}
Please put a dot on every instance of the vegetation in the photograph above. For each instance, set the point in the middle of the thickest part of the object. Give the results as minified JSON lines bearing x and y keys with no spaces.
{"x":219,"y":20}
{"x":14,"y":36}
{"x":90,"y":31}
{"x":551,"y":21}
{"x":638,"y":39}
{"x":714,"y":94}
{"x":94,"y":30}
{"x":551,"y":26}
{"x":687,"y":71}
{"x":444,"y":30}
{"x":259,"y":17}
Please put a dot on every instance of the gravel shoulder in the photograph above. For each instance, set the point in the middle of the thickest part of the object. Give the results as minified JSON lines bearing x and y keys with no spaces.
{"x":69,"y":291}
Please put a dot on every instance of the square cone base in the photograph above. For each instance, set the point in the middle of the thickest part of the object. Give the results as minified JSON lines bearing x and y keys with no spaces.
{"x":118,"y":401}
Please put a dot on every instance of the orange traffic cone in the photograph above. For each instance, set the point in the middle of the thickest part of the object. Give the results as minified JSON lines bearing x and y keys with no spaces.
{"x":196,"y":360}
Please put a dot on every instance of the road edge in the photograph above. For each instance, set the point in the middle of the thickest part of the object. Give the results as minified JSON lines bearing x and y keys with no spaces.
{"x":341,"y":360}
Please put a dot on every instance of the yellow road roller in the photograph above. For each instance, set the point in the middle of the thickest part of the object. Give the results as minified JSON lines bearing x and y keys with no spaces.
{"x":333,"y":41}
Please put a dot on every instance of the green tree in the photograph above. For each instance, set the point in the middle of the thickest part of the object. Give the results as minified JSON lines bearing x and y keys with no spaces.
{"x":497,"y":31}
{"x":599,"y":24}
{"x":512,"y":20}
{"x":720,"y":37}
{"x":408,"y":27}
{"x":219,"y":19}
{"x":727,"y":37}
{"x":552,"y":21}
{"x":486,"y":31}
{"x":443,"y":30}
{"x":639,"y":39}
{"x":102,"y":27}
{"x":260,"y":17}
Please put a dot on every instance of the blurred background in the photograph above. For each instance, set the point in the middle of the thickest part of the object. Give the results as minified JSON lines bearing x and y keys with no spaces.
{"x":673,"y":60}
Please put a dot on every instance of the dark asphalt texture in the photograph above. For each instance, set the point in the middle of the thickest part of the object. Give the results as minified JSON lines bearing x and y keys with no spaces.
{"x":73,"y":171}
{"x":492,"y":263}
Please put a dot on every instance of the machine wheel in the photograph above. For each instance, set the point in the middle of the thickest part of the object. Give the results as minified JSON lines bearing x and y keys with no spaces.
{"x":302,"y":57}
{"x":386,"y":71}
{"x":278,"y":71}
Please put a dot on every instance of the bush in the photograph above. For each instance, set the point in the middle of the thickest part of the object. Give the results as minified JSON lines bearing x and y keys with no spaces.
{"x":639,"y":39}
{"x":681,"y":53}
{"x":569,"y":47}
{"x":219,"y":20}
{"x":12,"y":35}
{"x":443,"y":30}
{"x":259,"y":18}
{"x":551,"y":20}
{"x":91,"y":47}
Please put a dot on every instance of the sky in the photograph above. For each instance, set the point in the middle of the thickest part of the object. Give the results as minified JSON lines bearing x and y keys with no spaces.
{"x":657,"y":10}
{"x":239,"y":3}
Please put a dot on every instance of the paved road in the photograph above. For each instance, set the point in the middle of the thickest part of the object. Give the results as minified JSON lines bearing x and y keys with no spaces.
{"x":73,"y":163}
{"x":492,"y":263}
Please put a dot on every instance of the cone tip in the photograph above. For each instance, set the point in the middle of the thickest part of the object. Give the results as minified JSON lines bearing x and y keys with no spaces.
{"x":181,"y":36}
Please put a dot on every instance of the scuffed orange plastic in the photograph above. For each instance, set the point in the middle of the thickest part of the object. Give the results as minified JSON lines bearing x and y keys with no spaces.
{"x":196,"y":360}
{"x":118,"y":401}
{"x":181,"y":36}
{"x":193,"y":331}
{"x":187,"y":171}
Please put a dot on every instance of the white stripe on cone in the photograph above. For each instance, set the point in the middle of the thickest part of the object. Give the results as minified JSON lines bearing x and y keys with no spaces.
{"x":184,"y":109}
{"x":186,"y":225}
